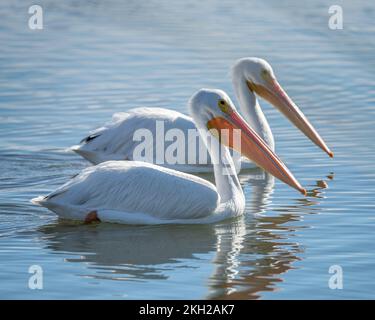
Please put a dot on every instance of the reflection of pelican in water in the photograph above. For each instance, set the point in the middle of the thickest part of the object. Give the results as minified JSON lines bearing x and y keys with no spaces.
{"x":259,"y":250}
{"x":250,"y":253}
{"x":128,"y":252}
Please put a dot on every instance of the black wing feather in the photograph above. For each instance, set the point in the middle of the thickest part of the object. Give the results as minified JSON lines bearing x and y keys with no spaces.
{"x":89,"y":138}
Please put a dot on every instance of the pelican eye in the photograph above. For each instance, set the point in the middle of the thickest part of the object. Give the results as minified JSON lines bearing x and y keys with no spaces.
{"x":265,"y":74}
{"x":223,"y":105}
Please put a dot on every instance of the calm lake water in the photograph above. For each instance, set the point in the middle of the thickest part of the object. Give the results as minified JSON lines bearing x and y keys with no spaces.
{"x":93,"y":59}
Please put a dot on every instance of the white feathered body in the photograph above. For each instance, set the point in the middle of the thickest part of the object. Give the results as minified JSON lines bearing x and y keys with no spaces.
{"x":115,"y":140}
{"x":135,"y":192}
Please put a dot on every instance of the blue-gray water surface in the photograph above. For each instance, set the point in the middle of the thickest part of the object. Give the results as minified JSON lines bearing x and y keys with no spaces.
{"x":95,"y":58}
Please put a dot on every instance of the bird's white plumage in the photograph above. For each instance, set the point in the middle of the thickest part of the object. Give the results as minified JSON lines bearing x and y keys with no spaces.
{"x":137,"y":188}
{"x":115,"y":140}
{"x":135,"y":192}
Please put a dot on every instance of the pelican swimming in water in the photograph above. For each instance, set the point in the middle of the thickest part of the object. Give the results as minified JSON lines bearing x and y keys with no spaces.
{"x":250,"y":76}
{"x":135,"y":192}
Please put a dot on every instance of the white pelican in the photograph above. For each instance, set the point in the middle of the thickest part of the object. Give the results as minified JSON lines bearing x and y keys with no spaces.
{"x":250,"y":76}
{"x":135,"y":192}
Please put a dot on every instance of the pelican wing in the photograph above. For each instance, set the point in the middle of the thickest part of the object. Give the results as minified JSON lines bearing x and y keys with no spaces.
{"x":115,"y":140}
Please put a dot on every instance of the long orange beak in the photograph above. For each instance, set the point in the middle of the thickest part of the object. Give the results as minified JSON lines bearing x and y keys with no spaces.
{"x":276,"y":95}
{"x":253,"y":147}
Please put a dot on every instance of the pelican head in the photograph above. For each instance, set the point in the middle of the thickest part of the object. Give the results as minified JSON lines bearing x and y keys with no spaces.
{"x":213,"y":110}
{"x":261,"y":80}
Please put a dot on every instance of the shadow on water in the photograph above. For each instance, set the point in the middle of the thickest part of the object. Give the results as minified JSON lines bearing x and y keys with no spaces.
{"x":249,"y":254}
